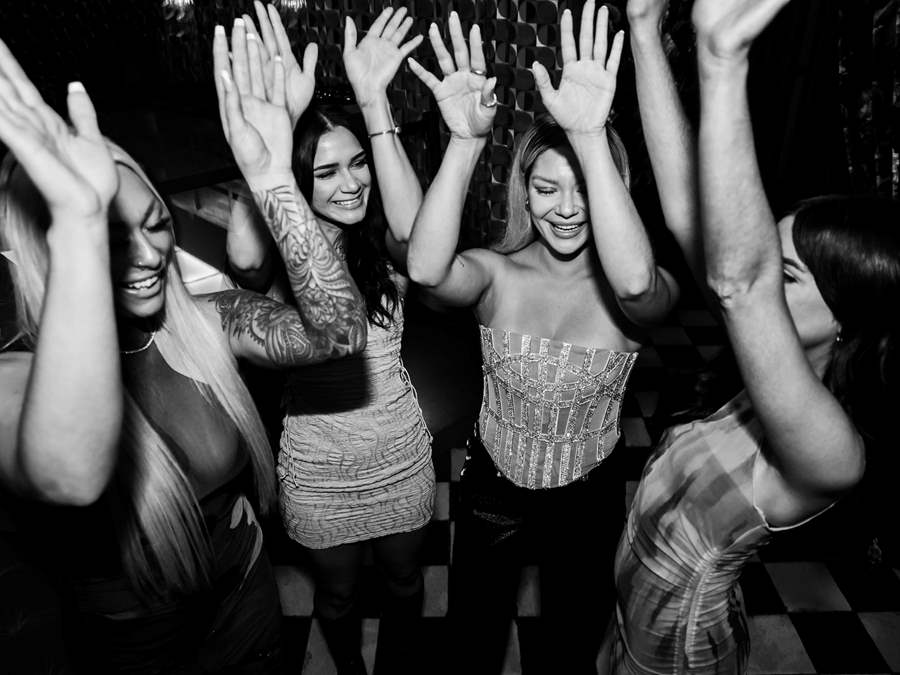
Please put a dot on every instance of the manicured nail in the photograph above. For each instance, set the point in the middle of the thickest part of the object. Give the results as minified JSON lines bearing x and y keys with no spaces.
{"x":251,"y":36}
{"x":239,"y":22}
{"x":219,"y":29}
{"x":76,"y":86}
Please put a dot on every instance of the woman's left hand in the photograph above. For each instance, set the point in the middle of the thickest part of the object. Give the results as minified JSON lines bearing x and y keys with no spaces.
{"x":373,"y":63}
{"x":583,"y":101}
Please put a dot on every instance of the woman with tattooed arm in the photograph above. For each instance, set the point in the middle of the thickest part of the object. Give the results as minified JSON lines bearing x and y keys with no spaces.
{"x":126,"y":433}
{"x":355,"y":461}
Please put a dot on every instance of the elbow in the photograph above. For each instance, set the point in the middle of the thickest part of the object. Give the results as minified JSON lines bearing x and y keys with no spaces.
{"x":427,"y":276}
{"x":82,"y":490}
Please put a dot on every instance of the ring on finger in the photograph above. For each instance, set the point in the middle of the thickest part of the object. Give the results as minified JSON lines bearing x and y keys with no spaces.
{"x":480,"y":73}
{"x":492,"y":103}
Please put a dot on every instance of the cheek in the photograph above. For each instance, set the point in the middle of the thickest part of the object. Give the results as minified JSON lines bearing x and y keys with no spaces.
{"x":320,"y":196}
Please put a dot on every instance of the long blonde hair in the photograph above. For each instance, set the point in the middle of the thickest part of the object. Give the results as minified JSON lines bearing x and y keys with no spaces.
{"x":164,"y":545}
{"x":544,"y":134}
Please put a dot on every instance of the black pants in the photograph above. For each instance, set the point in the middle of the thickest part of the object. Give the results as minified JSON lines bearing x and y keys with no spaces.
{"x":570,"y":532}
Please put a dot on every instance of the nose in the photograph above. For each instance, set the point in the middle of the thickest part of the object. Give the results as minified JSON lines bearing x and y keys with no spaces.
{"x":568,"y":205}
{"x":350,"y":183}
{"x":141,"y":253}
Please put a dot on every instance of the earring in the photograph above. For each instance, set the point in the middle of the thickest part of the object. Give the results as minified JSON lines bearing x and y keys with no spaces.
{"x":838,"y":339}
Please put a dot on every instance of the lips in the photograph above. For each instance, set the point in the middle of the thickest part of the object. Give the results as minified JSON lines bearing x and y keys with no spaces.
{"x":349,"y":204}
{"x":144,"y":287}
{"x":567,"y":229}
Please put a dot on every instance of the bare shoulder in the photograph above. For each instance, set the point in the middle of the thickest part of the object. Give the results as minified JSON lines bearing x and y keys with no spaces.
{"x":490,"y":261}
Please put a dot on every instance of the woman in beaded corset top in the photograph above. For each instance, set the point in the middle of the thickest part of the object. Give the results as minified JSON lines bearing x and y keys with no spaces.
{"x":126,"y":433}
{"x":354,"y":466}
{"x":819,"y":367}
{"x":560,"y":302}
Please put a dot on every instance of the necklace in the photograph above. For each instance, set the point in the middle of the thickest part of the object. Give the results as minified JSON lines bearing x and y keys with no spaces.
{"x":142,"y":347}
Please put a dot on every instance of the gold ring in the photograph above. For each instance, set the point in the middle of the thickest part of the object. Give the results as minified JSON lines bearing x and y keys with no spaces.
{"x":480,"y":73}
{"x":492,"y":103}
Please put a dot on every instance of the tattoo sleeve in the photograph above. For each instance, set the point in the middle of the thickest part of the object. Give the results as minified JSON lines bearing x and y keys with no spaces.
{"x":329,"y":319}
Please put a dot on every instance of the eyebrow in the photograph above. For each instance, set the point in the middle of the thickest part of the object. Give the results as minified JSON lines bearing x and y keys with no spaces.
{"x":546,"y":180}
{"x":334,"y":165}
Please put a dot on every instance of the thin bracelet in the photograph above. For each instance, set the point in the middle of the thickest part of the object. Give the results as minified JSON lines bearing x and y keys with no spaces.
{"x":395,"y":130}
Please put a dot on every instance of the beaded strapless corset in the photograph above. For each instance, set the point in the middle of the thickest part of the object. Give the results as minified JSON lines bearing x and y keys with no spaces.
{"x":550,"y":409}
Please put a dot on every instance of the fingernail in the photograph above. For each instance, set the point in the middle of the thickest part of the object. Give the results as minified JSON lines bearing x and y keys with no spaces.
{"x":76,"y":86}
{"x":239,"y":22}
{"x":225,"y":77}
{"x":251,"y":36}
{"x":277,"y":58}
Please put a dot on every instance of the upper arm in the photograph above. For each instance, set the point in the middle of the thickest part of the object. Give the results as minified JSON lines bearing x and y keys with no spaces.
{"x":813,"y":443}
{"x":262,"y":330}
{"x":471,"y":274}
{"x":14,"y":371}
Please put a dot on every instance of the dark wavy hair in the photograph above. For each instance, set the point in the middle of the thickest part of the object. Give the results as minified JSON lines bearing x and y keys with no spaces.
{"x":851,"y":245}
{"x":364,"y":245}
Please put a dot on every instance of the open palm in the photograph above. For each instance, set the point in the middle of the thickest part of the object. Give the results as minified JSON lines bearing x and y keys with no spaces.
{"x":728,"y":27}
{"x":583,"y":101}
{"x":465,"y":96}
{"x":71,"y":167}
{"x":373,"y":63}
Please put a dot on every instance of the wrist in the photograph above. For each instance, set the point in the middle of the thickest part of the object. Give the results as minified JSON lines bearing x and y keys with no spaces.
{"x":269,"y":180}
{"x":645,"y":25}
{"x":722,"y":65}
{"x":68,"y":233}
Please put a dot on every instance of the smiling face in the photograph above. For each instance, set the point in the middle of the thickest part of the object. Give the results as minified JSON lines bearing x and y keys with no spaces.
{"x":341,"y":178}
{"x":141,"y":243}
{"x":557,"y":202}
{"x":816,"y":325}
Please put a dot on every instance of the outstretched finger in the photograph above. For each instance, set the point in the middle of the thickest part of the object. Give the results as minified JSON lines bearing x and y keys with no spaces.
{"x":476,"y":49}
{"x":11,"y":69}
{"x":615,"y":53}
{"x":240,"y":64}
{"x":394,"y":23}
{"x":284,"y":43}
{"x":82,"y":113}
{"x":250,"y":27}
{"x":541,"y":79}
{"x":567,"y":38}
{"x":406,"y":49}
{"x":487,"y":92}
{"x":234,"y":116}
{"x":310,"y":56}
{"x":349,"y":36}
{"x":586,"y":32}
{"x":401,"y":31}
{"x":377,"y":27}
{"x":427,"y":78}
{"x":445,"y":61}
{"x":254,"y":59}
{"x":460,"y":50}
{"x":221,"y":63}
{"x":278,"y":89}
{"x":265,"y":29}
{"x":600,"y":39}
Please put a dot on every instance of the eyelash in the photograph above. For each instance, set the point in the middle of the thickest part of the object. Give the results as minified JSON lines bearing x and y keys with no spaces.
{"x":544,"y":191}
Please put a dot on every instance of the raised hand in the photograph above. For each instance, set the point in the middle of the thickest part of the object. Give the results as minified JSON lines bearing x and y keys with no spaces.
{"x":372,"y":64}
{"x":71,"y":167}
{"x":582,"y":103}
{"x":727,"y":28}
{"x":255,"y":121}
{"x":299,"y":82}
{"x":465,"y":96}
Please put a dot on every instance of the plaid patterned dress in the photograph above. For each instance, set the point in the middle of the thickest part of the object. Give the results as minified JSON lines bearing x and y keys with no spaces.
{"x":692,"y":526}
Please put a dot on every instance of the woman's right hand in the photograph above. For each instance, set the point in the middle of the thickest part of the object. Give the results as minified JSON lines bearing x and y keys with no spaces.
{"x":254,"y":117}
{"x":726,"y":28}
{"x":465,"y":96}
{"x":71,"y":167}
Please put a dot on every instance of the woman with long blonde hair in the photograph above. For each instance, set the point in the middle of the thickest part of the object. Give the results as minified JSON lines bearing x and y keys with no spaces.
{"x":126,"y":433}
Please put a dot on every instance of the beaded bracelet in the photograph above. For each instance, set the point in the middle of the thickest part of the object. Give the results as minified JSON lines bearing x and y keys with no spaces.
{"x":395,"y":130}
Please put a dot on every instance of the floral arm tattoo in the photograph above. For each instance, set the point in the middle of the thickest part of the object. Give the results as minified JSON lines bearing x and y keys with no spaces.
{"x":329,"y":320}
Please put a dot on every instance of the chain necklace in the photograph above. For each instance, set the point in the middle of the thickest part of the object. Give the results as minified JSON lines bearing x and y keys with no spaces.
{"x":142,"y":347}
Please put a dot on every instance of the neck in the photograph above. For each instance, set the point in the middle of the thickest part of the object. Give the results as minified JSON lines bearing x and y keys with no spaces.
{"x":583,"y":262}
{"x":135,"y":333}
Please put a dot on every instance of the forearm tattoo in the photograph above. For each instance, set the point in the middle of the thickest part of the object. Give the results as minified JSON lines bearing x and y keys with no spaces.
{"x":330,"y":309}
{"x":271,"y":325}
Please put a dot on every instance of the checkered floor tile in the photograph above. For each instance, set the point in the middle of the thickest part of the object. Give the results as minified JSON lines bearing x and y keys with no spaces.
{"x":814,"y":607}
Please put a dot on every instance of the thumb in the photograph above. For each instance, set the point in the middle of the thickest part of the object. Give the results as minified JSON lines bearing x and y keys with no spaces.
{"x":487,"y":91}
{"x":541,"y":78}
{"x":81,"y":112}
